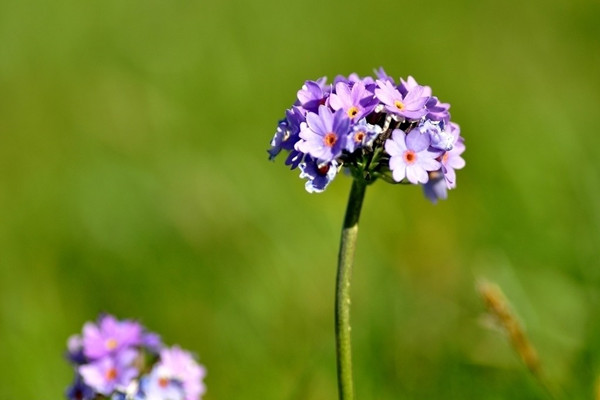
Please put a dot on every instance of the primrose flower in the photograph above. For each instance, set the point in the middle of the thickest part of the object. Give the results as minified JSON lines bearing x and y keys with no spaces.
{"x":109,"y":336}
{"x":356,"y":101}
{"x":318,"y":175}
{"x":409,"y":106}
{"x":410,"y":156}
{"x":324,"y":135}
{"x":138,"y":367}
{"x":110,"y":373}
{"x":179,"y":365}
{"x":313,"y":94}
{"x":374,"y":128}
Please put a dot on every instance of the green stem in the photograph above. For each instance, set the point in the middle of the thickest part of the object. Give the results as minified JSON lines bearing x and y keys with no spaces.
{"x":342,"y":290}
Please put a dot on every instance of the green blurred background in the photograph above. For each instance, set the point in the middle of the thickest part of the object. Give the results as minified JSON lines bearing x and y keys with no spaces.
{"x":134,"y":180}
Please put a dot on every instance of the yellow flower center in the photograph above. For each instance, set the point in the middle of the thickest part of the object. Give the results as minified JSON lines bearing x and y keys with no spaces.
{"x":399,"y":105}
{"x":352,"y":111}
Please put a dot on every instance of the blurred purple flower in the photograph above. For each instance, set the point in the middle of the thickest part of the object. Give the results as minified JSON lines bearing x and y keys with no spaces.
{"x":435,"y":188}
{"x":110,"y":372}
{"x":179,"y":364}
{"x":109,"y":336}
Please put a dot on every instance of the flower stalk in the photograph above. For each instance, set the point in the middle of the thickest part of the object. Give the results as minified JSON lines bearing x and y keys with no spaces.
{"x":342,"y":290}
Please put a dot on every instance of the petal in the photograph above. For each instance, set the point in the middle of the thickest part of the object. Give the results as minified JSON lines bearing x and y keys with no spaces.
{"x":397,"y":163}
{"x":417,"y":141}
{"x":315,"y":124}
{"x":456,"y":162}
{"x":399,"y":173}
{"x":327,"y":117}
{"x":416,"y":174}
{"x":341,"y":123}
{"x":427,"y":163}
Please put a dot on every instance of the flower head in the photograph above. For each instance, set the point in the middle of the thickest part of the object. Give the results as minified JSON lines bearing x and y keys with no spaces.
{"x":372,"y":127}
{"x":137,"y":367}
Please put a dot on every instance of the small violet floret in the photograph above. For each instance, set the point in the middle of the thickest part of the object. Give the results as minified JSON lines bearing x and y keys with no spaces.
{"x":410,"y":156}
{"x":323,"y":136}
{"x":318,"y":175}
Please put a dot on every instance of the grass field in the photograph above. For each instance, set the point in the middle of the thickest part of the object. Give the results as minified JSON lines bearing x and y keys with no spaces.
{"x":134,"y":179}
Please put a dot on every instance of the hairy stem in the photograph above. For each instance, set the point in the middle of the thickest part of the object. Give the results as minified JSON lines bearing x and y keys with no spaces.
{"x":342,"y":290}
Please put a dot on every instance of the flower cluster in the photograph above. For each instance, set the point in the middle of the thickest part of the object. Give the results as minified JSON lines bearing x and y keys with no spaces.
{"x":375,"y":128}
{"x":120,"y":360}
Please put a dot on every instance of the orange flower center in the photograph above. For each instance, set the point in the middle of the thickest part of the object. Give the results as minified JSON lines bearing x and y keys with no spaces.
{"x":399,"y":105}
{"x":163,"y":382}
{"x":409,"y":157}
{"x":359,"y":136}
{"x":445,"y":157}
{"x":111,"y":343}
{"x":111,"y":374}
{"x":330,"y":139}
{"x":352,"y":111}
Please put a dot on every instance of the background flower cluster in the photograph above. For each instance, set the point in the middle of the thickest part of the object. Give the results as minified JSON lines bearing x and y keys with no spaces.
{"x":121,"y":360}
{"x":375,"y":127}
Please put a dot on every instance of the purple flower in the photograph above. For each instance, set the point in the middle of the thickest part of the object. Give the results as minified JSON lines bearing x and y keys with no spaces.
{"x":178,"y":364}
{"x":109,"y":336}
{"x":440,"y":139}
{"x":435,"y":188}
{"x":410,"y":156}
{"x":411,"y":105}
{"x":437,"y":111}
{"x":318,"y":175}
{"x":160,"y":385}
{"x":287,"y":132}
{"x":110,"y":372}
{"x":362,"y":134}
{"x":452,"y":160}
{"x":356,"y":101}
{"x":75,"y":350}
{"x":313,"y":94}
{"x":410,"y":84}
{"x":80,"y":391}
{"x":371,"y":127}
{"x":324,"y":135}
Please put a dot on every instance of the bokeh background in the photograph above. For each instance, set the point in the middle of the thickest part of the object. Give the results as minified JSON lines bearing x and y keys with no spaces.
{"x":134,"y":180}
